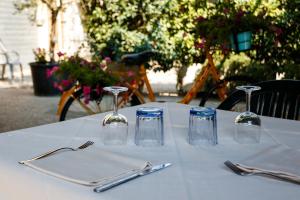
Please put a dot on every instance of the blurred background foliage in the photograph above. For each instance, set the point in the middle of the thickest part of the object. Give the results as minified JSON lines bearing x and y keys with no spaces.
{"x":117,"y":27}
{"x":168,"y":26}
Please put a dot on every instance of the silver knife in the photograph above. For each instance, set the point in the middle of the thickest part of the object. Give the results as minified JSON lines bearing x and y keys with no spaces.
{"x":106,"y":186}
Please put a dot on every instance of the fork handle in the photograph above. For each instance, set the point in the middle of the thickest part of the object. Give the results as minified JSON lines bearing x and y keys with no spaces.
{"x":45,"y":154}
{"x":289,"y":178}
{"x":277,"y":173}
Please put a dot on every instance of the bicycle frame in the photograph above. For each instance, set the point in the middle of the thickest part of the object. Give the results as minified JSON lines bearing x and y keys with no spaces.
{"x":141,"y":79}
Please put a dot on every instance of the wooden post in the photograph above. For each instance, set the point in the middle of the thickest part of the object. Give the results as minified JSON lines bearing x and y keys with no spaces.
{"x":209,"y":68}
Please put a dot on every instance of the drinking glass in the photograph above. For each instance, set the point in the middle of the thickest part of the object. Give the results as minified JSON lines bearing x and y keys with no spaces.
{"x":247,"y":124}
{"x":149,"y":129}
{"x":202,"y":126}
{"x":115,"y":125}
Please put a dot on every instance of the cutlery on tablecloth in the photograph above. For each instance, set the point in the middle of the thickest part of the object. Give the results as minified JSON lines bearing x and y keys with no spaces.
{"x":246,"y":171}
{"x":106,"y":186}
{"x":83,"y":146}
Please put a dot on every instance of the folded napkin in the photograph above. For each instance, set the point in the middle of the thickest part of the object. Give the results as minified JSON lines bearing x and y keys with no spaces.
{"x":88,"y":167}
{"x":276,"y":158}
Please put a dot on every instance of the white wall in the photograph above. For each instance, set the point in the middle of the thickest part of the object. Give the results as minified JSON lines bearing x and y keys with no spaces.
{"x":17,"y":33}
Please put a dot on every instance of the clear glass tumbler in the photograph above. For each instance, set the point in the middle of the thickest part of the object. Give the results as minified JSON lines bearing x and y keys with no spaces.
{"x":149,"y":129}
{"x":202,"y":126}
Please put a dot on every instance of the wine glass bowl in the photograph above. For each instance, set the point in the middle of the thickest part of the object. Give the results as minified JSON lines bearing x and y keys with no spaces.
{"x":247,"y":124}
{"x":115,"y":125}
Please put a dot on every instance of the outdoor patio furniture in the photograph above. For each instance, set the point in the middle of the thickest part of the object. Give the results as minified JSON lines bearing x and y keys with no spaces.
{"x":11,"y":59}
{"x":277,"y":98}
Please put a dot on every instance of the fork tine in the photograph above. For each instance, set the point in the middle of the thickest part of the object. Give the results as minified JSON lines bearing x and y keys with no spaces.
{"x":85,"y":145}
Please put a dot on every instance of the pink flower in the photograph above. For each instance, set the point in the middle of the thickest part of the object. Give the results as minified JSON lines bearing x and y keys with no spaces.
{"x":48,"y":73}
{"x":55,"y":68}
{"x":107,"y":59}
{"x":86,"y":94}
{"x":60,"y":88}
{"x":99,"y":90}
{"x":86,"y":90}
{"x":66,"y":83}
{"x":130,"y":73}
{"x":60,"y":54}
{"x":57,"y":86}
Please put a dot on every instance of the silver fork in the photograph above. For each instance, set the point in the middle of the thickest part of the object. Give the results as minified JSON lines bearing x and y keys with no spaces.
{"x":83,"y":146}
{"x":251,"y":171}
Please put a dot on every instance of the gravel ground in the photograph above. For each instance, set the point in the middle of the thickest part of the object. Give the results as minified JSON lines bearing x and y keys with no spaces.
{"x":19,"y":108}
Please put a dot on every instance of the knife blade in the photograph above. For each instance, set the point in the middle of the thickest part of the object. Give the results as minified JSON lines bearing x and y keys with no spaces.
{"x":106,"y":186}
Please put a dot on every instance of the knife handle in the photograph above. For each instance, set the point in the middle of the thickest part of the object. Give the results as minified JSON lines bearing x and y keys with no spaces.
{"x":109,"y":185}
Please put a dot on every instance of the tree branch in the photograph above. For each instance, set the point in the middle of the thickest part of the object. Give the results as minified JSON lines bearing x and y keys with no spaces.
{"x":48,"y":4}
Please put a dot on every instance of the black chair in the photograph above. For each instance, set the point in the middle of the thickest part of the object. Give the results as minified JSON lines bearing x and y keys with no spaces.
{"x":277,"y":98}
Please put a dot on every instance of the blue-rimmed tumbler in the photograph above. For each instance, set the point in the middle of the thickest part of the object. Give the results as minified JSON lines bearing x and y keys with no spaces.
{"x":202,"y":126}
{"x":149,"y":129}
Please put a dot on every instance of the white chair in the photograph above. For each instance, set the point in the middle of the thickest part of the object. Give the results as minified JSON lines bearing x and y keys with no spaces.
{"x":11,"y":59}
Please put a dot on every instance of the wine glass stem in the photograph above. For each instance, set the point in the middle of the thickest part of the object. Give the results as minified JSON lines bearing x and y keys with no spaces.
{"x":248,"y":100}
{"x":115,"y":103}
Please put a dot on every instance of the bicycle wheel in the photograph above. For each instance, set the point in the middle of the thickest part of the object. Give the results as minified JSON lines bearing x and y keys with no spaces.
{"x":75,"y":106}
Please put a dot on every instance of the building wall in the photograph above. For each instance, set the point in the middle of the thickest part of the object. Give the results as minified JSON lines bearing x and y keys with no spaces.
{"x":17,"y":33}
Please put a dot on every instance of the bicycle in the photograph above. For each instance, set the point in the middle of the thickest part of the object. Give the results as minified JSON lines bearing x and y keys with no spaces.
{"x":71,"y":104}
{"x":74,"y":97}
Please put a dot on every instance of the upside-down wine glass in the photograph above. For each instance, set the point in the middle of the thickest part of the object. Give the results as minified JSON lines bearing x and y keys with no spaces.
{"x":247,"y":124}
{"x":115,"y":125}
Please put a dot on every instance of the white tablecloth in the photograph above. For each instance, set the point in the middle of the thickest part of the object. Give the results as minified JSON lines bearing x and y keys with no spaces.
{"x":197,"y":172}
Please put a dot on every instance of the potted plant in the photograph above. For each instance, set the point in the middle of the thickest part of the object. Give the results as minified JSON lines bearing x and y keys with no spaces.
{"x":92,"y":76}
{"x":230,"y":25}
{"x":42,"y":84}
